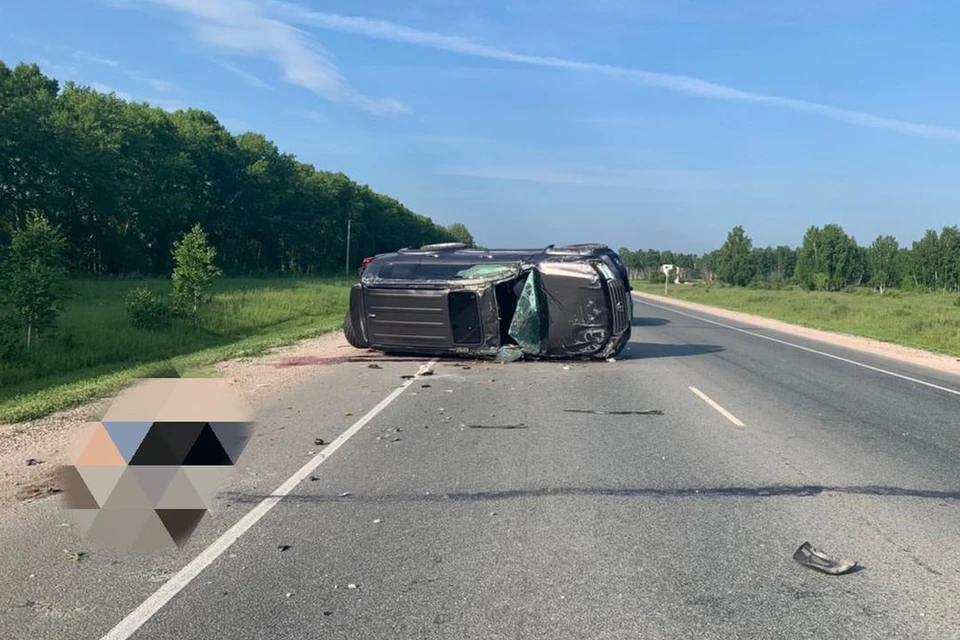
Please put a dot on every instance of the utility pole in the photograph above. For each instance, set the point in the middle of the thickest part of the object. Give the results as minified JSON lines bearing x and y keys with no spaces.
{"x":346,"y":268}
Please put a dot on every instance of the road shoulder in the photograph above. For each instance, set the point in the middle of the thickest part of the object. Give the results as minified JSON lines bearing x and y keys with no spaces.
{"x":48,"y":440}
{"x":908,"y":355}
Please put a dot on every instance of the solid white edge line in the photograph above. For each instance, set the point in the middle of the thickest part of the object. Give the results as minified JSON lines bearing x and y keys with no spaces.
{"x":129,"y":625}
{"x":726,"y":414}
{"x":894,"y":374}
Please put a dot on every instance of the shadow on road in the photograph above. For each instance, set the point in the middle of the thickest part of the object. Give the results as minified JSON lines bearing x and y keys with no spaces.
{"x":647,"y":350}
{"x":650,"y":322}
{"x":772,"y":491}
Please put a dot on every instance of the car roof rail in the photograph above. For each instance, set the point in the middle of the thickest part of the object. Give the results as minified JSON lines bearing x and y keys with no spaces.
{"x":444,"y":246}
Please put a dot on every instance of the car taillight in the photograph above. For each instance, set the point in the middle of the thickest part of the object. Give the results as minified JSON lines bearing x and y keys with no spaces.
{"x":367,"y":261}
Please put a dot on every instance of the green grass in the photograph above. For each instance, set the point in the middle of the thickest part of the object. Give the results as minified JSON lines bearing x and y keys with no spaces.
{"x":929,"y":321}
{"x":95,"y":352}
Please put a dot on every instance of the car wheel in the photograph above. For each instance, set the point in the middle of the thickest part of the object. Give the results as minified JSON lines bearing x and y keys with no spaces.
{"x":350,"y":332}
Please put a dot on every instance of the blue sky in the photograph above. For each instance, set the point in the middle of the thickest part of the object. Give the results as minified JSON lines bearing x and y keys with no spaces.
{"x":643,"y":123}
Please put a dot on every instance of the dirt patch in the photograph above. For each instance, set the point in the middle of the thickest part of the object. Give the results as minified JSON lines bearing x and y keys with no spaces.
{"x":49,"y":441}
{"x":908,"y":355}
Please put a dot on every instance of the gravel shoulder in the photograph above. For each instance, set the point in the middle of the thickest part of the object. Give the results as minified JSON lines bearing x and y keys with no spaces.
{"x":908,"y":355}
{"x":48,"y":441}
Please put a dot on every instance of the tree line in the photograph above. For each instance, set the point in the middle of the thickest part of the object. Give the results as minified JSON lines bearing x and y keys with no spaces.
{"x":122,"y":181}
{"x":828,"y":259}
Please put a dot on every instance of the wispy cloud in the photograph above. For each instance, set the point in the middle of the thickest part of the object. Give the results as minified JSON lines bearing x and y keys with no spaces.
{"x":160,"y":85}
{"x":166,"y":105}
{"x":242,"y":26}
{"x":49,"y":67}
{"x":384,"y":30}
{"x":247,"y":77}
{"x":591,"y":176}
{"x":89,"y":57}
{"x":307,"y":114}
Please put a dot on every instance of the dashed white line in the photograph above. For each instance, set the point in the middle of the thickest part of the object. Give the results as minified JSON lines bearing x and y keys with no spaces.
{"x":726,"y":414}
{"x":894,"y":374}
{"x":129,"y":625}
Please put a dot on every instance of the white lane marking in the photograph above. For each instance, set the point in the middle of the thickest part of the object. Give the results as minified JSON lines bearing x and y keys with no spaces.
{"x":807,"y":349}
{"x":129,"y":625}
{"x":726,"y":414}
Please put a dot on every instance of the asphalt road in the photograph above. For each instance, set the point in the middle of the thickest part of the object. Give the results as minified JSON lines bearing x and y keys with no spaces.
{"x":678,"y":524}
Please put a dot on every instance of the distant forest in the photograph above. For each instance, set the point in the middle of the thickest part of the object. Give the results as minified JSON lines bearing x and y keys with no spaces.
{"x":124,"y":180}
{"x":828,"y":259}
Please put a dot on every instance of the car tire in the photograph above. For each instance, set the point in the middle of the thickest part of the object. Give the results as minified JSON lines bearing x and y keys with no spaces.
{"x":350,"y":333}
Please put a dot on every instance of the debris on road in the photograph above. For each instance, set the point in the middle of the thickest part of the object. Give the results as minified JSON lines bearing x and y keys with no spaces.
{"x":328,"y":613}
{"x":815,"y":559}
{"x":508,"y":353}
{"x":351,"y":586}
{"x":75,"y":556}
{"x":314,"y":478}
{"x":32,"y":462}
{"x":282,"y":547}
{"x":319,"y":441}
{"x":344,"y":494}
{"x":407,"y":377}
{"x":642,"y":412}
{"x":486,"y":383}
{"x":378,"y":521}
{"x":497,"y":426}
{"x":425,"y":386}
{"x":374,"y":365}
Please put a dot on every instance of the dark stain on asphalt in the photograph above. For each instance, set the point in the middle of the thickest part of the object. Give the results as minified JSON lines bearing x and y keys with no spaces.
{"x":643,"y":412}
{"x":497,"y":426}
{"x":773,"y":491}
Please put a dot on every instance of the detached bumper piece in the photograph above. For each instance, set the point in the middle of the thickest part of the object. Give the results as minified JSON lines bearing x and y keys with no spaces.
{"x":815,"y":559}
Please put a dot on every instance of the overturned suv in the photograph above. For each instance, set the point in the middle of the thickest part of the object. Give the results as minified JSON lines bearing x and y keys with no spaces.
{"x":445,"y":300}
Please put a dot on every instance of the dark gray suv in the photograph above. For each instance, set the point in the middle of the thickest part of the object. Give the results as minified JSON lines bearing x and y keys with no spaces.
{"x":558,"y":302}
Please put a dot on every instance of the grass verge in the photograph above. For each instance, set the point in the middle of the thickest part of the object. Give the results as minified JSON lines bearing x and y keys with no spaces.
{"x":929,"y":321}
{"x":95,"y":352}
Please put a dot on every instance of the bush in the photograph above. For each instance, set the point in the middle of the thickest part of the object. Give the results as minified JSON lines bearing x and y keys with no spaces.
{"x":146,"y":310}
{"x":956,"y":301}
{"x":820,"y":281}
